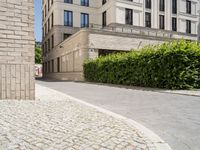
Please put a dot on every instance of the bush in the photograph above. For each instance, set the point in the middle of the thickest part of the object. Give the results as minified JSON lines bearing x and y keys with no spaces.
{"x":172,"y":65}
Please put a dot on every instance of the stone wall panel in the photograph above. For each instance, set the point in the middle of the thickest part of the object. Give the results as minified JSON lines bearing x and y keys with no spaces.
{"x":17,"y":49}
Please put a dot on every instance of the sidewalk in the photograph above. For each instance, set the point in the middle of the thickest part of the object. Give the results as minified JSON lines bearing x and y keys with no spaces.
{"x":56,"y":121}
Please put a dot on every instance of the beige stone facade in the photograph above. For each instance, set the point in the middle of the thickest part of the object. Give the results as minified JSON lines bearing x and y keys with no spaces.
{"x":17,"y":49}
{"x":77,"y":30}
{"x":70,"y":54}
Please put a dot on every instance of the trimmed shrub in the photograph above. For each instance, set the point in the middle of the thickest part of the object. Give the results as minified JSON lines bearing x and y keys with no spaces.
{"x":172,"y":65}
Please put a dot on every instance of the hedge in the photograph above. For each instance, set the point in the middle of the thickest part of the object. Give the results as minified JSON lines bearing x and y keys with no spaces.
{"x":172,"y":65}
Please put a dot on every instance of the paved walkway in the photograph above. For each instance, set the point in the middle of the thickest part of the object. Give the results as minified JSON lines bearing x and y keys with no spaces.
{"x":55,"y":122}
{"x":175,"y":118}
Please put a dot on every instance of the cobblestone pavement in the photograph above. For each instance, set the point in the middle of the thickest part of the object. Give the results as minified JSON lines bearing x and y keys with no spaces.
{"x":55,"y":122}
{"x":173,"y":117}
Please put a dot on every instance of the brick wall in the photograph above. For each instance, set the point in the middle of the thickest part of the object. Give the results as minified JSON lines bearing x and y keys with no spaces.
{"x":17,"y":49}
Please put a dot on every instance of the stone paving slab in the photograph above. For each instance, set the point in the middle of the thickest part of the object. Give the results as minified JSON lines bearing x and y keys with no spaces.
{"x":55,"y":122}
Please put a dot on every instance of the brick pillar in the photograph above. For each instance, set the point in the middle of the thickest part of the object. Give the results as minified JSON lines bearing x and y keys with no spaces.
{"x":17,"y":49}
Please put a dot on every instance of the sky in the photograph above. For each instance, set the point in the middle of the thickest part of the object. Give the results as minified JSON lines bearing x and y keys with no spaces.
{"x":38,"y":20}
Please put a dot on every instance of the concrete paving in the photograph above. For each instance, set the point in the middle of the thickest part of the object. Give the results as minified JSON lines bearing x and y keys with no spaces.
{"x":175,"y":118}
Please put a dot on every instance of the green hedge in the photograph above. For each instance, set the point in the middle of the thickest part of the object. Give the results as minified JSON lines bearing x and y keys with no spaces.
{"x":172,"y":65}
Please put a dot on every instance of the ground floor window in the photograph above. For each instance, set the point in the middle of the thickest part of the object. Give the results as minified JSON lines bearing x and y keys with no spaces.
{"x":58,"y":64}
{"x":49,"y":67}
{"x":52,"y":65}
{"x":66,"y":35}
{"x":103,"y":52}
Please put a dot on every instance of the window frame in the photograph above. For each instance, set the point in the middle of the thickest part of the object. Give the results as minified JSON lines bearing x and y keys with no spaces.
{"x":58,"y":64}
{"x":85,"y":3}
{"x":104,"y":2}
{"x":161,"y":22}
{"x":162,"y":5}
{"x":148,"y":4}
{"x":68,"y":23}
{"x":148,"y":23}
{"x":188,"y":26}
{"x":128,"y":16}
{"x":84,"y":24}
{"x":68,"y":1}
{"x":174,"y":6}
{"x":174,"y":24}
{"x":188,"y":7}
{"x":104,"y":18}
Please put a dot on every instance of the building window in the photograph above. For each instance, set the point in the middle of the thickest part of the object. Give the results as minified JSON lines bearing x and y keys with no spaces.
{"x":162,"y":22}
{"x":45,"y":10}
{"x":129,"y":16}
{"x":49,"y":67}
{"x":46,"y":47}
{"x":49,"y":45}
{"x":48,"y":4}
{"x":174,"y":24}
{"x":66,"y":35}
{"x":46,"y":69}
{"x":148,"y":19}
{"x":174,"y":6}
{"x":162,"y":5}
{"x":188,"y":6}
{"x":104,"y":1}
{"x":42,"y":49}
{"x":46,"y":31}
{"x":52,"y":20}
{"x":43,"y":32}
{"x":48,"y":24}
{"x":52,"y":41}
{"x":52,"y":65}
{"x":51,"y":2}
{"x":43,"y":15}
{"x":84,"y":20}
{"x":148,"y":4}
{"x":104,"y":19}
{"x":58,"y":64}
{"x":188,"y":26}
{"x":68,"y":18}
{"x":68,"y":1}
{"x":84,"y":2}
{"x":43,"y":70}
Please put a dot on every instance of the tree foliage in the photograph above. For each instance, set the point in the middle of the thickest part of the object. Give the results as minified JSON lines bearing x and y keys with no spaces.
{"x":38,"y":55}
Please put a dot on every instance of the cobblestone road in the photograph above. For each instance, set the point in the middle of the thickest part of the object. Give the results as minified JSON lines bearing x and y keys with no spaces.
{"x":55,"y":122}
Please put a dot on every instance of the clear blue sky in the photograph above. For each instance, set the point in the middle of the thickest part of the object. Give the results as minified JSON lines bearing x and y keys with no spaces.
{"x":38,"y":20}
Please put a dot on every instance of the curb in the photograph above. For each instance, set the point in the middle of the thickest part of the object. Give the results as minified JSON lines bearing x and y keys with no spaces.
{"x":155,"y":139}
{"x":177,"y":93}
{"x":165,"y":91}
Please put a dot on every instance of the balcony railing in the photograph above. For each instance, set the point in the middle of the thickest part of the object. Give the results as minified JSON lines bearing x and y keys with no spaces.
{"x":143,"y":31}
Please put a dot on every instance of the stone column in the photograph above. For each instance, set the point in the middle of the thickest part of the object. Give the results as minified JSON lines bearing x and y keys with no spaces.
{"x":17,"y":49}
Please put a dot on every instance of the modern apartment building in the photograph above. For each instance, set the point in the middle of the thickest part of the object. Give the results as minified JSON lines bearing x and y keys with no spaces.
{"x":75,"y":30}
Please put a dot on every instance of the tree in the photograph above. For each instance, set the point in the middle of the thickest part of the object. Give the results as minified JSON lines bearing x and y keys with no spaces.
{"x":38,"y":55}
